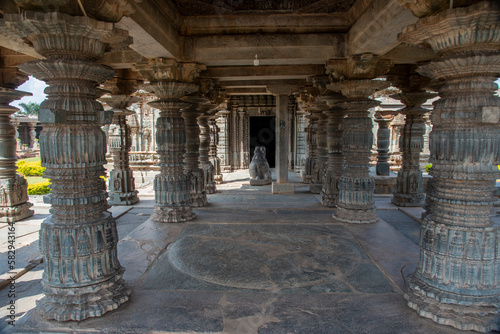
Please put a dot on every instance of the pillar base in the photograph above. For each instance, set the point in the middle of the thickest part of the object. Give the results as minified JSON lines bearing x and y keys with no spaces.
{"x":316,"y":188}
{"x":15,"y":213}
{"x":454,"y":309}
{"x":355,"y":216}
{"x":198,"y":193}
{"x":172,"y":214}
{"x":80,"y":303}
{"x":14,"y":205}
{"x":282,"y":188}
{"x":116,"y":198}
{"x":408,"y":200}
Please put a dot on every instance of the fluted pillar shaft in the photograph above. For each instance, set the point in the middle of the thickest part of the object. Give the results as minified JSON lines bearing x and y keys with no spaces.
{"x":191,"y":157}
{"x":335,"y":128}
{"x":300,"y":141}
{"x":223,"y":147}
{"x":170,"y":81}
{"x":457,"y":280}
{"x":311,"y":148}
{"x":82,"y":276}
{"x":409,"y":187}
{"x":321,"y":152}
{"x":14,"y":205}
{"x":383,"y":139}
{"x":214,"y":141}
{"x":204,"y":159}
{"x":121,"y":178}
{"x":356,"y":187}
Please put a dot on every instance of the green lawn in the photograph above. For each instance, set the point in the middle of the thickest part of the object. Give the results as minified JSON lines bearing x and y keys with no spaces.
{"x":34,"y":179}
{"x":30,"y":159}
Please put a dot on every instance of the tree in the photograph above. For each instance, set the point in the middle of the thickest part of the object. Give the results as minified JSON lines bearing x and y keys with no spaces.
{"x":30,"y":108}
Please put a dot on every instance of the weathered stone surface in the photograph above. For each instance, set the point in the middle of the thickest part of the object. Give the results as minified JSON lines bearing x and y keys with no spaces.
{"x":356,"y":187}
{"x":335,"y":128}
{"x":170,"y":81}
{"x":82,"y":276}
{"x":14,"y":205}
{"x":410,"y":190}
{"x":455,"y":281}
{"x":383,"y":134}
{"x":206,"y":164}
{"x":121,"y":188}
{"x":192,"y":165}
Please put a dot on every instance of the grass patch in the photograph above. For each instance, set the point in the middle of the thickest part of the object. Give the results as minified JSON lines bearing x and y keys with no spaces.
{"x":34,"y":159}
{"x":34,"y":179}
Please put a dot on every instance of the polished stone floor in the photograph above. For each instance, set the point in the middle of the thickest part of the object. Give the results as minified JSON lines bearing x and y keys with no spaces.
{"x":251,"y":262}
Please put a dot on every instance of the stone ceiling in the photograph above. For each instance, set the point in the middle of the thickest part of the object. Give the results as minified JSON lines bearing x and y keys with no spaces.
{"x":228,"y":7}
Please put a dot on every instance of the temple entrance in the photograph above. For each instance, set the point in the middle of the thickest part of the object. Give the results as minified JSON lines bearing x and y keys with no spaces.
{"x":262,"y":133}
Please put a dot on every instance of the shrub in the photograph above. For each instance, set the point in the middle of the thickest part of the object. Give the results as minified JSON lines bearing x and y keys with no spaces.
{"x":428,"y":168}
{"x":30,"y":168}
{"x":39,"y":188}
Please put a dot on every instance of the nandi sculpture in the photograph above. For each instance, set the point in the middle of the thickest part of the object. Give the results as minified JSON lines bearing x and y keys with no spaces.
{"x":260,"y":173}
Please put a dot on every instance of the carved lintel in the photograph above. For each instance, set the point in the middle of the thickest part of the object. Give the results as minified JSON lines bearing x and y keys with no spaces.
{"x":162,"y":69}
{"x":362,"y":66}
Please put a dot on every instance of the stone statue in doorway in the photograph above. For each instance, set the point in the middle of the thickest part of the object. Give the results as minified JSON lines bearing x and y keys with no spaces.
{"x":260,"y":174}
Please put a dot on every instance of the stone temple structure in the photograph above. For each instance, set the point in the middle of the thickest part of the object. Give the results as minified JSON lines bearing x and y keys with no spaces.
{"x":297,"y":77}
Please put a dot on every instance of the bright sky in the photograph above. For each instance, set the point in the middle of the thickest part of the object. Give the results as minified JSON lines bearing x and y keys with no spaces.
{"x":33,"y":86}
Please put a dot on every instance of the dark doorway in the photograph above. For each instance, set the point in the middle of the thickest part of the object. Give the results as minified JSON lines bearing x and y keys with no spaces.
{"x":262,"y":133}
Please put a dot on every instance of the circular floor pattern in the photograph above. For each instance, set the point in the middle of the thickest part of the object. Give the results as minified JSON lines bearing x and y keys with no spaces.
{"x":257,"y":259}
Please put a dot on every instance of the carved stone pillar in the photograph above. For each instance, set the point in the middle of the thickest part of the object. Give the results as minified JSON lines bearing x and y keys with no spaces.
{"x":32,"y":136}
{"x":170,"y":81}
{"x":14,"y":205}
{"x":457,"y":281}
{"x":355,"y":200}
{"x":321,"y":153}
{"x":383,"y":139}
{"x":82,"y":276}
{"x":310,"y":162}
{"x":243,"y":140}
{"x":192,"y":165}
{"x":206,"y":165}
{"x":214,"y":141}
{"x":223,"y":148}
{"x":234,"y":135}
{"x":409,"y":188}
{"x":356,"y":187}
{"x":335,"y":128}
{"x":300,"y":140}
{"x":121,"y":185}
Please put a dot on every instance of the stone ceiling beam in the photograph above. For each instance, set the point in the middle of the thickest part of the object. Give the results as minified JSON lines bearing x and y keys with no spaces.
{"x":154,"y":27}
{"x":378,"y":27}
{"x":272,"y":49}
{"x":260,"y":83}
{"x":239,"y":73}
{"x":272,"y":23}
{"x":247,"y":91}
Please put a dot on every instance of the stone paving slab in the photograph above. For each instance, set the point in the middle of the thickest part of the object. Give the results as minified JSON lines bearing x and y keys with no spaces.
{"x":241,"y":313}
{"x":284,"y":258}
